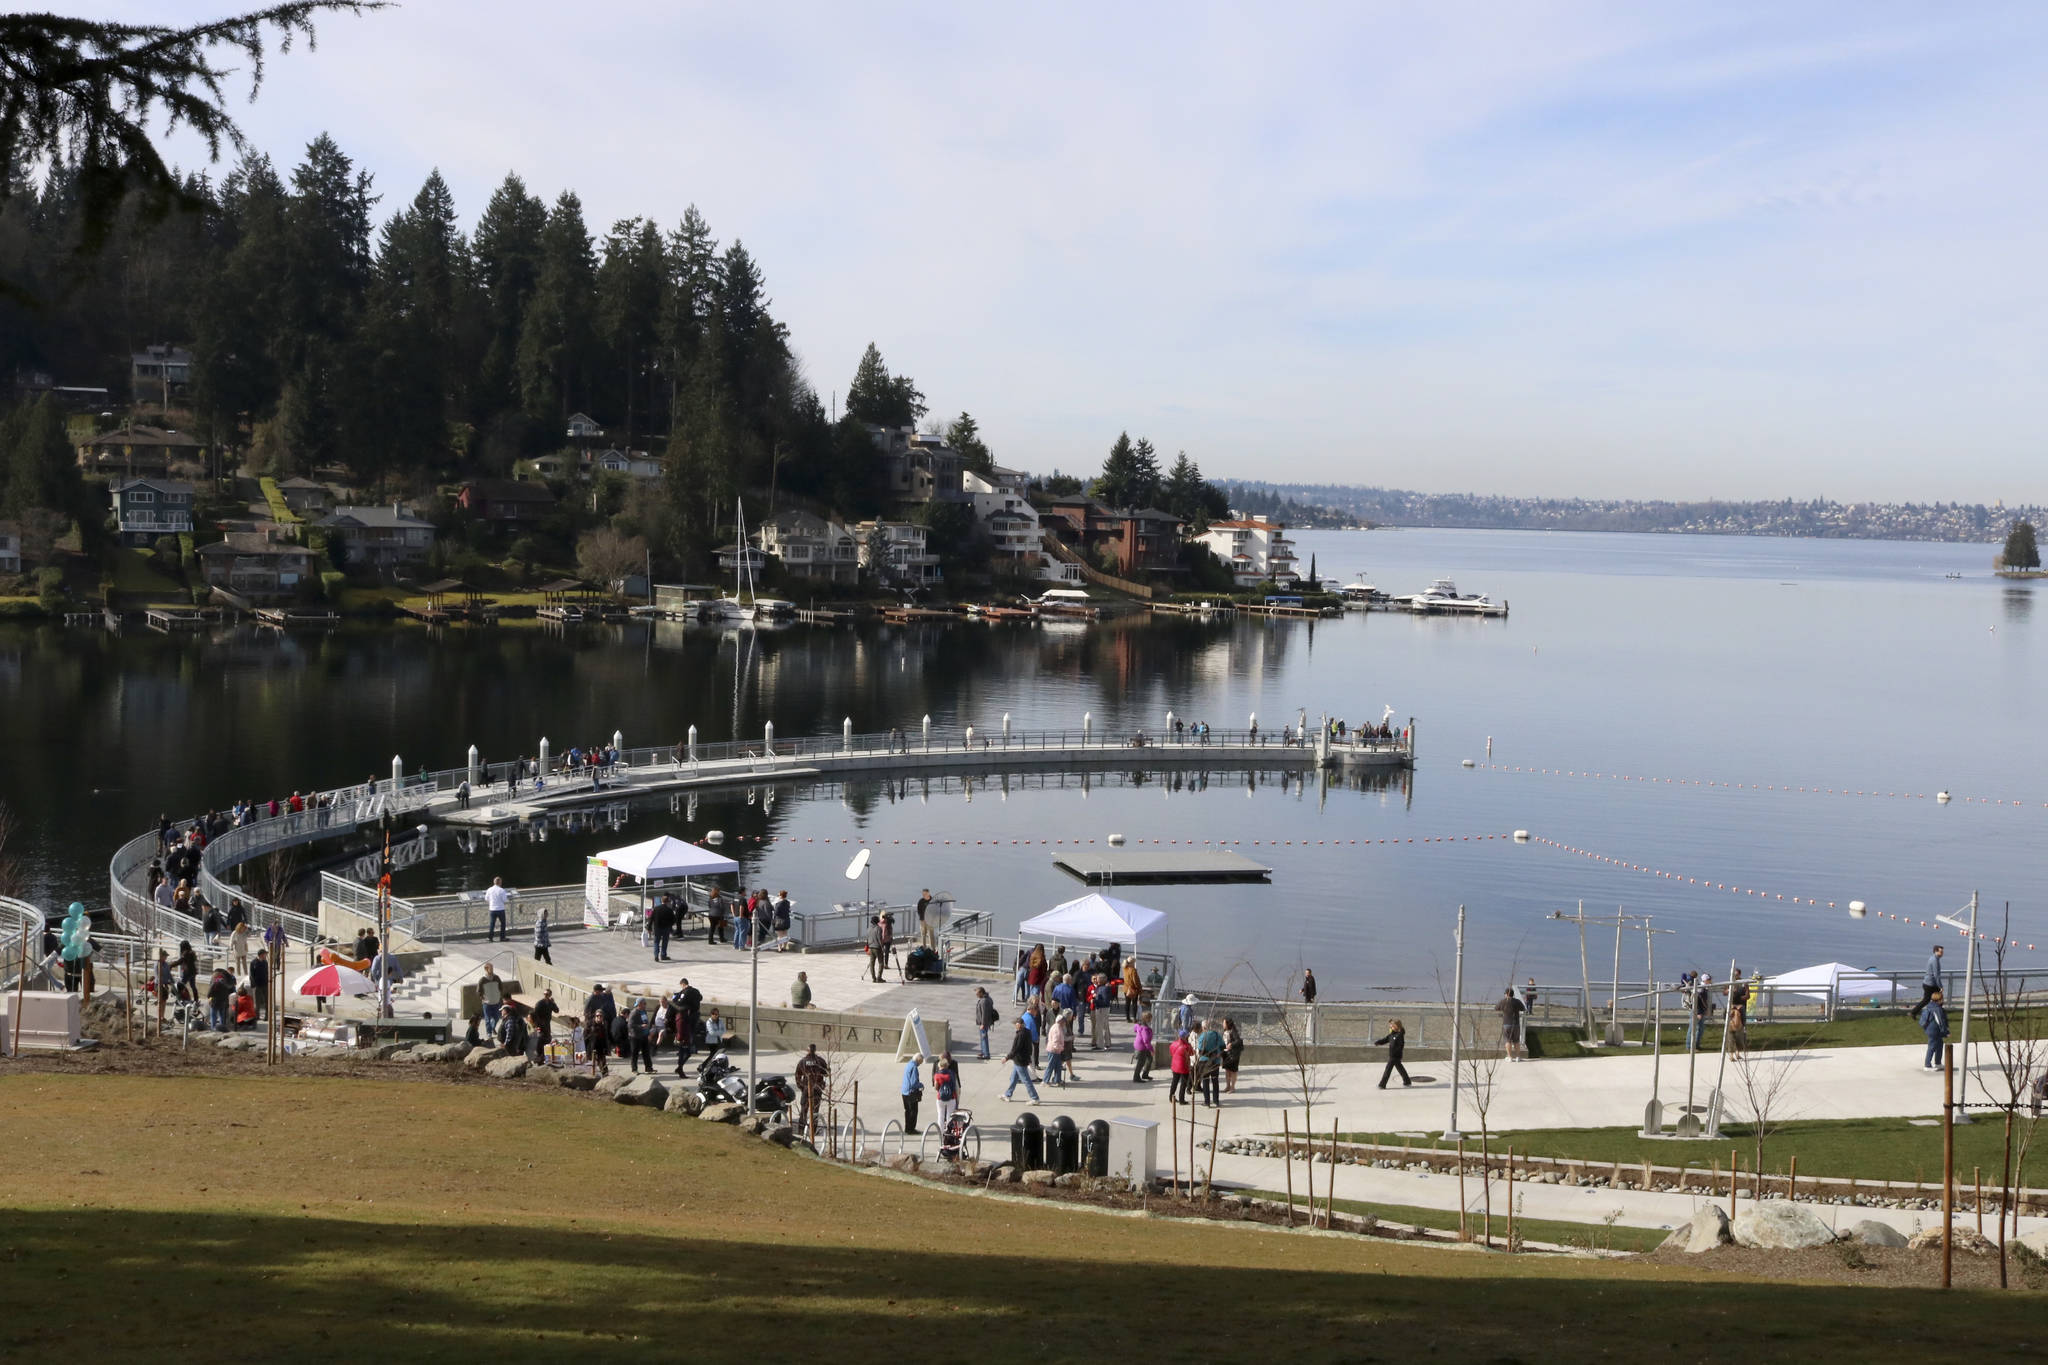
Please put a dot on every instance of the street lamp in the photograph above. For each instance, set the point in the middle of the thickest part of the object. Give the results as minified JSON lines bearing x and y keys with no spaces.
{"x":1969,"y":984}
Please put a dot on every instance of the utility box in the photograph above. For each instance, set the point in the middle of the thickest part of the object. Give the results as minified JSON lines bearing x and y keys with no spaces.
{"x":1133,"y":1149}
{"x":49,"y":1021}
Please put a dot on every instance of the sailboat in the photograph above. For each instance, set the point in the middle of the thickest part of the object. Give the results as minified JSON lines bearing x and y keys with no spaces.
{"x":739,"y":606}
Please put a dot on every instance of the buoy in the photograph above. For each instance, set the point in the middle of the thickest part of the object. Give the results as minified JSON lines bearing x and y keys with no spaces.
{"x":1467,"y":763}
{"x":1856,"y":909}
{"x":1116,"y":841}
{"x":714,"y":836}
{"x":1521,"y":836}
{"x":1942,"y":797}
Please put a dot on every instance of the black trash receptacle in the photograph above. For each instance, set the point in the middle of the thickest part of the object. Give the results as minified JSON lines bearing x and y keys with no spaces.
{"x":1063,"y":1146}
{"x":1095,"y":1148}
{"x":1027,"y":1143}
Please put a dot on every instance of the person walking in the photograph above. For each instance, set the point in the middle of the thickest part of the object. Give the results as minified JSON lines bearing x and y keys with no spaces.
{"x":1509,"y":1008}
{"x":1702,"y":1006}
{"x":946,"y":1088}
{"x":543,"y":939}
{"x":985,"y":1016}
{"x":1934,"y":1023}
{"x":1056,"y":1050}
{"x":878,"y":946}
{"x":812,"y":1073}
{"x":1179,"y":1057}
{"x":259,"y":979}
{"x":490,"y":991}
{"x":1209,"y":1064}
{"x":499,"y":901}
{"x":544,"y":1011}
{"x":1233,"y":1053}
{"x":238,"y":944}
{"x":1395,"y":1042}
{"x":640,"y":1033}
{"x":913,"y":1091}
{"x":1141,"y":1050}
{"x":1930,"y":980}
{"x":1019,"y":1058}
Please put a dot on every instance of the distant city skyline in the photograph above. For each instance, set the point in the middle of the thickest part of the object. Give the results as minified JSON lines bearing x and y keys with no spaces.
{"x":1600,"y":250}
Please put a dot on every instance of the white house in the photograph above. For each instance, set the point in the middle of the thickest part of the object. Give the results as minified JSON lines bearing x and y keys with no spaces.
{"x":895,"y":552}
{"x":1256,"y":550}
{"x":147,"y":508}
{"x":10,"y":547}
{"x":1006,"y":515}
{"x":729,"y":559}
{"x":634,"y":464}
{"x":584,"y":427}
{"x":811,"y":547}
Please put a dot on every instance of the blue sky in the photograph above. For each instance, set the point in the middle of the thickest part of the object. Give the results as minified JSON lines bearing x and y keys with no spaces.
{"x":1722,"y":250}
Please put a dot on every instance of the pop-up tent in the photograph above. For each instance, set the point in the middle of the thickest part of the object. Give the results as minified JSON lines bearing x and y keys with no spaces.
{"x":1096,"y":918}
{"x":1836,"y":981}
{"x":653,"y":860}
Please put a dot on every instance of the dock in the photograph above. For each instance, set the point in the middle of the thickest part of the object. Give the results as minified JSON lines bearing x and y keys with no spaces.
{"x":824,"y":616}
{"x":284,"y":618}
{"x":1116,"y":866}
{"x":169,"y":620}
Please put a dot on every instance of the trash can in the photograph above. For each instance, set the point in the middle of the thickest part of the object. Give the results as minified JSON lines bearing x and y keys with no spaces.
{"x":1095,"y":1148}
{"x":1063,"y":1146}
{"x":1027,"y":1143}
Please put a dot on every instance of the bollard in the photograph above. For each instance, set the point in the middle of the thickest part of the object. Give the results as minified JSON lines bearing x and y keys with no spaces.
{"x":397,"y":775}
{"x":969,"y":742}
{"x":1087,"y":722}
{"x":768,"y":739}
{"x":1063,"y":1146}
{"x":543,"y":755}
{"x":1168,"y":736}
{"x":475,"y":779}
{"x":619,"y":740}
{"x":1006,"y":729}
{"x":846,"y":735}
{"x":927,"y":734}
{"x":693,"y":744}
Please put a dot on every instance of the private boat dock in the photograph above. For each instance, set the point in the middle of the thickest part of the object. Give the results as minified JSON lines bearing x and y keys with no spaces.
{"x":1124,"y":867}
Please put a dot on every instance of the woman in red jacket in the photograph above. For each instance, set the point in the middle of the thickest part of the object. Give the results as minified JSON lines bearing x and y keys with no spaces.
{"x":1179,"y":1059}
{"x":245,"y":1009}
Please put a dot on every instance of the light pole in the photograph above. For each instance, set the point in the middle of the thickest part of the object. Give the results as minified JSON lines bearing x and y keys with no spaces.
{"x":1457,"y":1018}
{"x":1969,"y":989}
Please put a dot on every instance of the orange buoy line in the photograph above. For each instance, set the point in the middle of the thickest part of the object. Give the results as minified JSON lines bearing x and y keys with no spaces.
{"x":1708,"y":884}
{"x":1189,"y":843}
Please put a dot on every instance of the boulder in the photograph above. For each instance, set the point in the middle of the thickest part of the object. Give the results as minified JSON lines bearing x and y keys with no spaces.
{"x":799,"y":1145}
{"x":238,"y":1042}
{"x":1003,"y":1174}
{"x":2036,"y":1242}
{"x":678,"y":1102}
{"x":1875,"y":1234}
{"x":781,"y":1134}
{"x":1067,"y":1181}
{"x":610,"y":1084}
{"x":720,"y":1113}
{"x":756,"y":1123}
{"x":575,"y":1080}
{"x":903,"y":1161}
{"x":1039,"y":1177}
{"x":481,"y":1057}
{"x":642,"y":1090}
{"x":384,"y":1052}
{"x":1966,"y":1239}
{"x":1776,"y":1225}
{"x":1708,"y":1229}
{"x":938,"y":1168}
{"x":507,"y":1068}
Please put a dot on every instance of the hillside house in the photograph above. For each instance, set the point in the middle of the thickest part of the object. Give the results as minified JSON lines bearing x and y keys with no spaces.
{"x":634,"y":464}
{"x":584,"y":427}
{"x":139,"y":452}
{"x":255,"y":565}
{"x":809,"y":546}
{"x":505,"y":502}
{"x":160,"y":372}
{"x":896,"y":553}
{"x":379,"y":538}
{"x":1137,"y":542}
{"x":1005,"y":515}
{"x":10,"y":547}
{"x":305,"y":497}
{"x":147,"y":508}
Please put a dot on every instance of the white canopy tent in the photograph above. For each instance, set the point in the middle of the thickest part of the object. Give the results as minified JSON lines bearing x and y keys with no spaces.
{"x":1098,"y":919}
{"x":1835,"y":982}
{"x":654,"y":860}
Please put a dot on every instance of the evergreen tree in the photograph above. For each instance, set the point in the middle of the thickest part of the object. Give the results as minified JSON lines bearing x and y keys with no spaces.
{"x":1130,"y":476}
{"x":235,"y":351}
{"x":41,"y":469}
{"x":507,"y":252}
{"x":630,"y":283}
{"x":555,"y":339}
{"x":1144,"y":489}
{"x":877,"y":397}
{"x":965,"y":436}
{"x":2020,"y":550}
{"x":411,"y":334}
{"x":691,"y":295}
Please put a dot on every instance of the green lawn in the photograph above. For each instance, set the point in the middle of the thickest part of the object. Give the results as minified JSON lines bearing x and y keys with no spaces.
{"x":1867,"y":1149}
{"x":1534,"y":1229}
{"x":136,"y":575}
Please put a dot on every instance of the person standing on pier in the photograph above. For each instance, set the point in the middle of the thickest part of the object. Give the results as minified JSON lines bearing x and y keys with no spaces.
{"x":639,"y":1032}
{"x":500,"y":902}
{"x":1934,"y":1023}
{"x":927,"y":935}
{"x":913,"y":1091}
{"x":1134,"y":991}
{"x":1141,"y":1049}
{"x":1509,"y":1008}
{"x":714,"y":916}
{"x":662,"y":919}
{"x":543,"y":939}
{"x":784,"y":917}
{"x":877,"y":944}
{"x":985,"y":1016}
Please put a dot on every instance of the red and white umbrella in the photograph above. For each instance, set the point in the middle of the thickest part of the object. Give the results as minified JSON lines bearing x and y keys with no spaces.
{"x":334,"y":980}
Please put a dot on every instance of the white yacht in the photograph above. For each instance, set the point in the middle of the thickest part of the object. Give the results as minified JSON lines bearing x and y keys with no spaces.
{"x":1443,"y":596}
{"x":1359,"y":595}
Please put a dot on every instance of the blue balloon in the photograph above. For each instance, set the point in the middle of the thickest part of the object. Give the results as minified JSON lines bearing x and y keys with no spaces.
{"x":76,"y":935}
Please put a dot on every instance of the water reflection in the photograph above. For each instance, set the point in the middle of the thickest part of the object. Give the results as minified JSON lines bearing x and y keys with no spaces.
{"x":2019,"y":604}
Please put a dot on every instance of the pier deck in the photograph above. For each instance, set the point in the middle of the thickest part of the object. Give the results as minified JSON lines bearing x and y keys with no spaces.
{"x":1109,"y":867}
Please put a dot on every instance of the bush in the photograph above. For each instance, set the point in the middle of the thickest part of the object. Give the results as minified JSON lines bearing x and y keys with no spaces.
{"x":331,"y":584}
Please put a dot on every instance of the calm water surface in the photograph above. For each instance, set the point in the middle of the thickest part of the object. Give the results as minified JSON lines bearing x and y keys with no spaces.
{"x":1832,"y":664}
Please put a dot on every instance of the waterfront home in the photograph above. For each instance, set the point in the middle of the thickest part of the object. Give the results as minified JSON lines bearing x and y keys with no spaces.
{"x":256,"y":565}
{"x":10,"y":547}
{"x":147,"y":508}
{"x":1006,"y":516}
{"x":505,"y":502}
{"x":1255,"y":550}
{"x":729,"y":558}
{"x":634,"y":464}
{"x":1136,"y":542}
{"x":136,"y":451}
{"x":897,"y":554}
{"x":160,"y":372}
{"x":918,"y":468}
{"x":809,"y":546}
{"x":305,"y":497}
{"x":379,"y":537}
{"x":584,"y":427}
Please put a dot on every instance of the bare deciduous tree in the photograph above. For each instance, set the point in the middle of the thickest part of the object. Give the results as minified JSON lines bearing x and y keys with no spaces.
{"x":1764,"y":1094}
{"x":13,"y":881}
{"x":1307,"y":1079}
{"x":2014,"y":1030}
{"x":606,"y":558}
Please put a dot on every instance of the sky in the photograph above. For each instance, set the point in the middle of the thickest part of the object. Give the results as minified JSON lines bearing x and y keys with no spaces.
{"x":1560,"y":249}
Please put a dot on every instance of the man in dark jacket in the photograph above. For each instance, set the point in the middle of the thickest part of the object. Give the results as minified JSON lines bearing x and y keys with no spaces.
{"x":662,"y":920}
{"x":985,"y":1016}
{"x":259,"y":980}
{"x":639,"y":1036}
{"x":1019,"y":1059}
{"x":1930,"y":980}
{"x":812,"y":1072}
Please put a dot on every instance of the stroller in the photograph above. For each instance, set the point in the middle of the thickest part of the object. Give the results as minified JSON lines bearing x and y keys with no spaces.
{"x":953,"y":1137}
{"x":923,"y":964}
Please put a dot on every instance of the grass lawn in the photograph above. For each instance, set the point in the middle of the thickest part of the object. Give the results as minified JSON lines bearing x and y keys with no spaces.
{"x":411,"y":1220}
{"x":1863,"y":1030}
{"x":1868,"y":1149}
{"x":135,"y":574}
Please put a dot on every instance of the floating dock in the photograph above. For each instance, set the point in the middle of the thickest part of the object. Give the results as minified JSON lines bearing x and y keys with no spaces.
{"x":1115,"y":866}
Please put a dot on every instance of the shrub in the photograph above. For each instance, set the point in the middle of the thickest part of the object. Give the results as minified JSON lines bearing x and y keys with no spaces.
{"x":331,"y":584}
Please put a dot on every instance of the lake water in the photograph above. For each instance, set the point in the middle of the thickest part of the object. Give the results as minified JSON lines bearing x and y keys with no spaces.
{"x":1849,"y":665}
